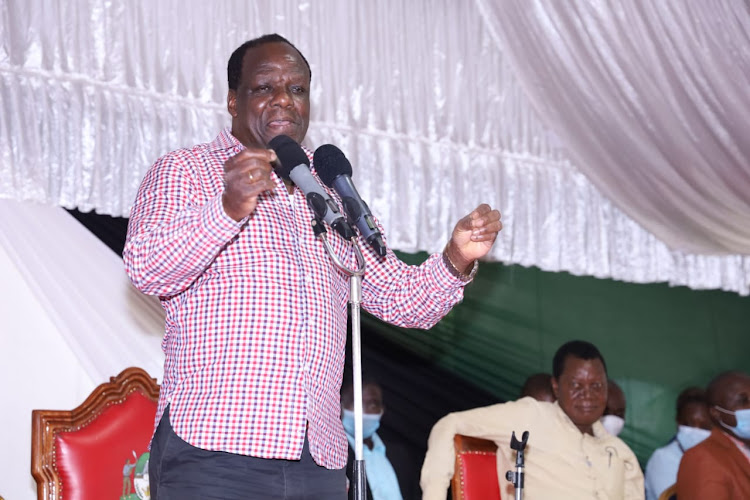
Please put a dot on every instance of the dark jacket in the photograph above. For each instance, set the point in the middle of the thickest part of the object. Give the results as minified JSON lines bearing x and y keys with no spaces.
{"x":714,"y":469}
{"x":405,"y":462}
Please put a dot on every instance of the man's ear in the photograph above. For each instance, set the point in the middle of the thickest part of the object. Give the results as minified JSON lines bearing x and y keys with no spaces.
{"x":555,"y":388}
{"x":716,"y":416}
{"x":232,"y":103}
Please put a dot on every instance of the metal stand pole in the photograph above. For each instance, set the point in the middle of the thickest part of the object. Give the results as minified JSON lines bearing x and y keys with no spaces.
{"x":358,"y":472}
{"x":517,"y":477}
{"x":359,"y":479}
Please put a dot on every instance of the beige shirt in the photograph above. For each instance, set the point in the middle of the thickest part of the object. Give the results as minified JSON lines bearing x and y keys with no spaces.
{"x":560,"y":461}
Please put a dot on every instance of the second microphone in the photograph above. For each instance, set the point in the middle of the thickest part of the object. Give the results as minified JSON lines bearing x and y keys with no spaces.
{"x":335,"y":171}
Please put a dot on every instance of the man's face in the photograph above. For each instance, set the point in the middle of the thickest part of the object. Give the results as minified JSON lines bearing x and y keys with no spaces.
{"x":372,"y":400}
{"x":734,"y":395}
{"x":272,"y":97}
{"x":581,"y":391}
{"x":695,"y":415}
{"x":615,"y":401}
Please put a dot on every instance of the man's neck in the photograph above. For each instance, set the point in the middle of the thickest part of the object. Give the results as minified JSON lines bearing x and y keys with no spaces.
{"x":586,"y":429}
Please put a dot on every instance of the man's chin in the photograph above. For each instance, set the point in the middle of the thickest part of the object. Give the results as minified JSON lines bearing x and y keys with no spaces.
{"x":289,"y":131}
{"x":588,"y":417}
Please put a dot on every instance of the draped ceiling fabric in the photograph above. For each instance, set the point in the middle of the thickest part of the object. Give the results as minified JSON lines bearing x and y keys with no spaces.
{"x":652,"y":99}
{"x":546,"y":113}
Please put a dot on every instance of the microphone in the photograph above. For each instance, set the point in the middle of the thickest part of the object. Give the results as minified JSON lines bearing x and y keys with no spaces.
{"x":295,"y":166}
{"x":336,"y":172}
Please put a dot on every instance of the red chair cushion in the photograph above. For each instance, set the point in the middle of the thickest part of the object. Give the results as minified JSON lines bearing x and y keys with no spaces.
{"x":90,"y":461}
{"x":479,"y":475}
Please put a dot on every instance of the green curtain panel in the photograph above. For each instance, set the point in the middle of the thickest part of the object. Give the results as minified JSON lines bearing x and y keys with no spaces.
{"x":656,"y":339}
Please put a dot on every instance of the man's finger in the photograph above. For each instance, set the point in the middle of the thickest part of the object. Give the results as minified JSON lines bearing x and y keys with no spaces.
{"x":486,"y":219}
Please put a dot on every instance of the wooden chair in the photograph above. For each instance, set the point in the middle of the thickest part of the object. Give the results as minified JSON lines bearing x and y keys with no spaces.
{"x":670,"y":493}
{"x":475,"y":474}
{"x":99,"y":449}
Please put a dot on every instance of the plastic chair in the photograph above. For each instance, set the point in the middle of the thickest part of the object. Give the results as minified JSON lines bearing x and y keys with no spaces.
{"x":475,"y":474}
{"x":99,"y":449}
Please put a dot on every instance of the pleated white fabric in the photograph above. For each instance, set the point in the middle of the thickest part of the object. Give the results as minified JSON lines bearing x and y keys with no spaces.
{"x":431,"y":103}
{"x":69,"y":320}
{"x":81,"y":285}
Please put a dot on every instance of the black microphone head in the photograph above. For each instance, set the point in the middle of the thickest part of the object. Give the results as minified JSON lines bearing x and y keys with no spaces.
{"x":330,"y":162}
{"x":290,"y":155}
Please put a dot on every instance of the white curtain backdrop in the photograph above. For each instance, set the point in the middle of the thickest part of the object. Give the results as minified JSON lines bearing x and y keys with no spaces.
{"x":69,"y":320}
{"x":435,"y":103}
{"x":652,"y":100}
{"x":611,"y":134}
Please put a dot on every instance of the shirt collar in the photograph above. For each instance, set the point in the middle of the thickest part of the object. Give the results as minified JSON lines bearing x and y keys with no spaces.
{"x":225,"y":140}
{"x":600,"y":432}
{"x":740,"y":444}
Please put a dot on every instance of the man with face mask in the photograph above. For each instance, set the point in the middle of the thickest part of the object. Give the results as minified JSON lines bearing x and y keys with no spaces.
{"x":693,"y":426}
{"x":392,"y":474}
{"x":613,"y":419}
{"x":569,"y":454}
{"x":719,"y":467}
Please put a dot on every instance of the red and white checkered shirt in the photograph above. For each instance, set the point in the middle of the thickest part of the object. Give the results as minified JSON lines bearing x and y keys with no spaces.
{"x":255,"y":311}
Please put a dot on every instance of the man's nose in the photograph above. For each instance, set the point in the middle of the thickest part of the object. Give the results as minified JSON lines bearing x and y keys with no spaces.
{"x":282,"y":97}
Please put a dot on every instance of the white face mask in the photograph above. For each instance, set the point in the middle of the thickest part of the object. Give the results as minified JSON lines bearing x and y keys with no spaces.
{"x":613,"y":424}
{"x":370,"y":423}
{"x":690,"y":436}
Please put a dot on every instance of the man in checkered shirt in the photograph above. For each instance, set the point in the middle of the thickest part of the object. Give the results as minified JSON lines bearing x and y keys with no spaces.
{"x":255,"y":311}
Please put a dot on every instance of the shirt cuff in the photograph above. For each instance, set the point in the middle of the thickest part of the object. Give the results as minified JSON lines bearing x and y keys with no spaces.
{"x":466,"y":278}
{"x":442,"y":276}
{"x":218,"y":225}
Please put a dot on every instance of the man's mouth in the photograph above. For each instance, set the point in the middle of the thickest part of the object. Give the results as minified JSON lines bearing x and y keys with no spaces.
{"x":280,"y":123}
{"x":587,"y":409}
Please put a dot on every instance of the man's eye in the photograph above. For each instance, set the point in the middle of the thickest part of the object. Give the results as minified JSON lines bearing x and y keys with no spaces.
{"x":297,"y":89}
{"x":262,"y":88}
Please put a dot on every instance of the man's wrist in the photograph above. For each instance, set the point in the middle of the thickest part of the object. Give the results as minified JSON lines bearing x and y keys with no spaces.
{"x":467,"y":274}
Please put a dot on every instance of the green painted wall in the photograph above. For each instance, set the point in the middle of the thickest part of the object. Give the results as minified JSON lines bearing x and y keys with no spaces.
{"x":656,"y":339}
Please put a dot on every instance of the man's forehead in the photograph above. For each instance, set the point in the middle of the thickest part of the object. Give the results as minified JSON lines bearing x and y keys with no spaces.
{"x":737,"y":385}
{"x":574,"y":365}
{"x":267,"y":57}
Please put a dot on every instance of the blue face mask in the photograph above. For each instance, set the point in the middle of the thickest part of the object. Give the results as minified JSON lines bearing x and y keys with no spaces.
{"x":370,"y":423}
{"x":742,"y":429}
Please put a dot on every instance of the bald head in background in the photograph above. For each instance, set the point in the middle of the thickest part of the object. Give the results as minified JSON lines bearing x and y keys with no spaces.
{"x":614,"y":414}
{"x":539,"y":387}
{"x":615,"y":400}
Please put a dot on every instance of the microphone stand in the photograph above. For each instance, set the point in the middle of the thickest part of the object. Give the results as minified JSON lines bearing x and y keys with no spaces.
{"x":517,"y":477}
{"x":359,"y":480}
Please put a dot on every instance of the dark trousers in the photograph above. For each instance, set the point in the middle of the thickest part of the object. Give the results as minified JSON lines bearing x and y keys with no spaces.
{"x":180,"y":471}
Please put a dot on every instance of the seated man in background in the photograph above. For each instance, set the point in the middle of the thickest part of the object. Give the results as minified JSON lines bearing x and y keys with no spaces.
{"x":718,"y":468}
{"x":613,"y":419}
{"x":391,"y":471}
{"x":693,"y":426}
{"x":569,"y":455}
{"x":539,"y":387}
